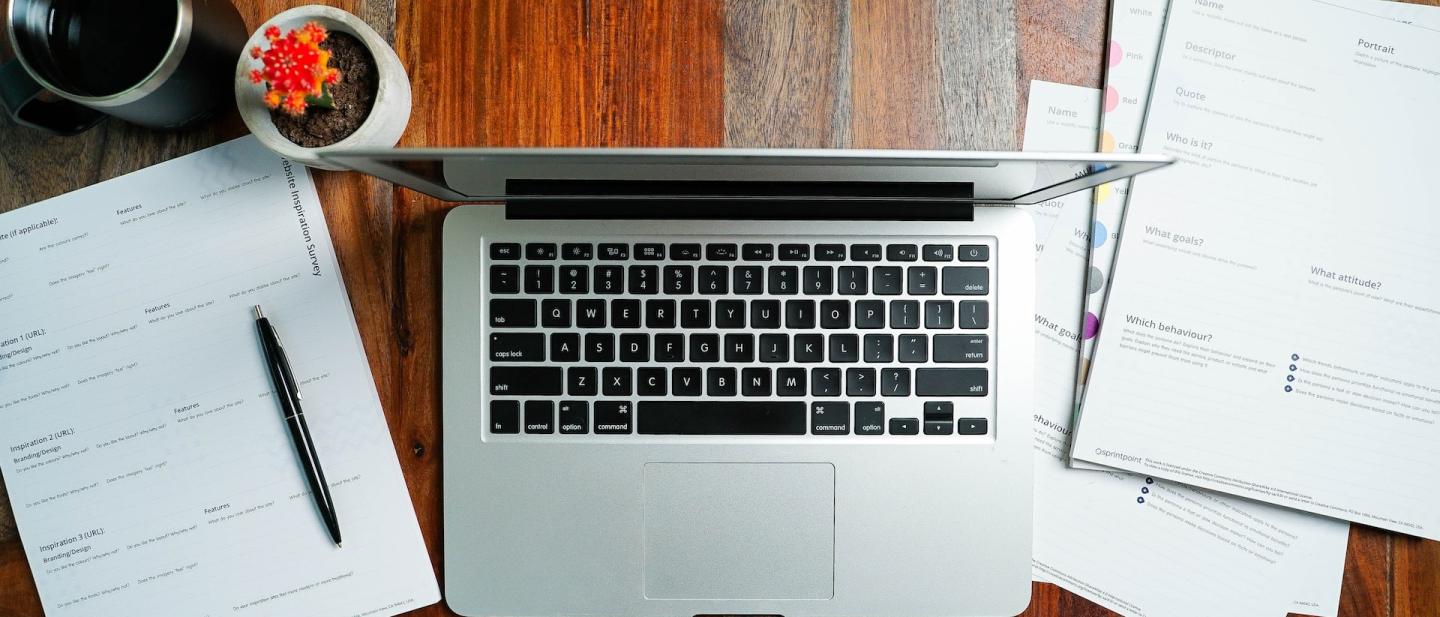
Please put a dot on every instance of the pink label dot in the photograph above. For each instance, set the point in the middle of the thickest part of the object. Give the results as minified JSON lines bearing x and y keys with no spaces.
{"x":1112,"y":98}
{"x":1092,"y":326}
{"x":1114,"y":54}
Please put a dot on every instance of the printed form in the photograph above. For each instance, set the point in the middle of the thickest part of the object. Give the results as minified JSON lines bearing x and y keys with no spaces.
{"x":1125,"y":541}
{"x":1270,"y":330}
{"x":145,"y":456}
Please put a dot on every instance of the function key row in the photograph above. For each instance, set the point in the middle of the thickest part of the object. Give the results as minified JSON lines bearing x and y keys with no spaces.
{"x":549,"y":251}
{"x":713,"y":279}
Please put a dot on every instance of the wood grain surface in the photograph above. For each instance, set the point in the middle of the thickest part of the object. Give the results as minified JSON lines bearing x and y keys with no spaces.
{"x":745,"y":73}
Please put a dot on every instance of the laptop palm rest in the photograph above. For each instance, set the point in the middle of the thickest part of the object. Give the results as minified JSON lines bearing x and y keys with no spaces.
{"x":740,"y":531}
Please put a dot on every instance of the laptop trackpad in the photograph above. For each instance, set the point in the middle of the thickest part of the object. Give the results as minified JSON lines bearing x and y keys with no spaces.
{"x":740,"y":531}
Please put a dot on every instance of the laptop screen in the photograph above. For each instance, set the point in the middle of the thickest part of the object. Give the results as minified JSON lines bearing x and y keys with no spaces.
{"x":734,"y":174}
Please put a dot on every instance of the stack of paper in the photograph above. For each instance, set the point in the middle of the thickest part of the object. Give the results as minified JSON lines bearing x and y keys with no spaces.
{"x":1269,"y":309}
{"x":146,"y":459}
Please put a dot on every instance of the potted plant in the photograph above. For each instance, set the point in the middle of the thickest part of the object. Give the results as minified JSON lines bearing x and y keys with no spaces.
{"x":318,"y":77}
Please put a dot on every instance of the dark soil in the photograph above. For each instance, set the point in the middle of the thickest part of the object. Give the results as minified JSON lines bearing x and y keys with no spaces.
{"x":354,"y":97}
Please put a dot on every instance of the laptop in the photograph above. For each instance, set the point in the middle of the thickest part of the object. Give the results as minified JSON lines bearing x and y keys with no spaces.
{"x":688,"y":382}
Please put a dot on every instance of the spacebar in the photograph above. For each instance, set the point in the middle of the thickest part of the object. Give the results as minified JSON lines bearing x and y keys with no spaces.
{"x":721,"y":418}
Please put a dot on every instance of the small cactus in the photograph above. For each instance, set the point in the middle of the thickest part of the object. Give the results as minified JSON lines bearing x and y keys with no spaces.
{"x":296,"y":71}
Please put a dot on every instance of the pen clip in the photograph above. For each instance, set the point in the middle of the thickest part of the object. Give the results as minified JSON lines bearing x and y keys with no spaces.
{"x":285,"y":367}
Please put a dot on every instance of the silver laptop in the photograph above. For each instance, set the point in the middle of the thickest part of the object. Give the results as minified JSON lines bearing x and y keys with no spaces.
{"x":755,"y":382}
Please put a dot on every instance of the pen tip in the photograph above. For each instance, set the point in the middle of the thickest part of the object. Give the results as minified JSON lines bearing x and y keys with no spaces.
{"x":339,"y":545}
{"x":258,"y":313}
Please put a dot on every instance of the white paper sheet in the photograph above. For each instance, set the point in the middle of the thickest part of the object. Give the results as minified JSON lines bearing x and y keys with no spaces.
{"x":1129,"y":542}
{"x":146,"y":460}
{"x":1297,"y":230}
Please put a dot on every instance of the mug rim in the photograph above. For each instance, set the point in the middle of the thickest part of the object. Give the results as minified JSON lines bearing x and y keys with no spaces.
{"x":179,"y":40}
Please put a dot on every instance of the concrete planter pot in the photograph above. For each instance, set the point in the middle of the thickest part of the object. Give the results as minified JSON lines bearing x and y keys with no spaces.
{"x":381,"y":129}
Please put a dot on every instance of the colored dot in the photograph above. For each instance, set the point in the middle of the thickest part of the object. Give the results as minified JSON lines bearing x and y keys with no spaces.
{"x":1112,"y":98}
{"x":1092,"y":325}
{"x":1103,"y":193}
{"x":1098,"y":234}
{"x":1114,"y":53}
{"x":1107,"y":142}
{"x":1096,"y":280}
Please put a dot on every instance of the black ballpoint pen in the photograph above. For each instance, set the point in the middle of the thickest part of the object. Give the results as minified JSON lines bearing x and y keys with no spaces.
{"x":288,"y":393}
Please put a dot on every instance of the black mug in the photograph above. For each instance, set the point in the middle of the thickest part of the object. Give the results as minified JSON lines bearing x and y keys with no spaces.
{"x":156,"y":63}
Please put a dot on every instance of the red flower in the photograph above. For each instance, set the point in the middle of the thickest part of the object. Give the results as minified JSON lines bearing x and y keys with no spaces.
{"x":294,"y":68}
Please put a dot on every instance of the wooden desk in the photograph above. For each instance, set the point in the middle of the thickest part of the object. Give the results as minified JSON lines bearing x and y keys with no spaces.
{"x":799,"y":73}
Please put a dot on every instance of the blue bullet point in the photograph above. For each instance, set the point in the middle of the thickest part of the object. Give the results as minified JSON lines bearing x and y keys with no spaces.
{"x":1289,"y":389}
{"x":1289,"y":378}
{"x":1139,"y":500}
{"x":1145,"y":489}
{"x":1295,"y":356}
{"x":1149,"y":480}
{"x":1292,"y":367}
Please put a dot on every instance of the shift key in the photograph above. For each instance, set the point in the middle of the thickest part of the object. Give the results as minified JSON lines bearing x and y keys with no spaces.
{"x":512,"y":313}
{"x":952,"y":382}
{"x":517,"y":347}
{"x":526,"y":380}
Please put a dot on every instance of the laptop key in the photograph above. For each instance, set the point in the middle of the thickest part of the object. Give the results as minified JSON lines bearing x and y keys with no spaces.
{"x":809,"y":347}
{"x":555,"y":313}
{"x":714,"y":280}
{"x":669,"y":347}
{"x":973,"y":426}
{"x":505,"y":415}
{"x":937,"y":252}
{"x":634,"y":348}
{"x":721,"y":252}
{"x":685,"y":252}
{"x":755,"y":381}
{"x":853,"y":281}
{"x":965,"y":281}
{"x":758,"y":252}
{"x":615,"y":381}
{"x":866,"y":252}
{"x":869,"y":314}
{"x":613,"y":418}
{"x":794,"y":252}
{"x":644,"y":279}
{"x":574,"y":417}
{"x":517,"y":347}
{"x":720,"y":381}
{"x":952,"y":381}
{"x":729,"y":313}
{"x":590,"y":313}
{"x":869,"y":418}
{"x":574,"y":279}
{"x":886,"y":280}
{"x":834,"y":314}
{"x":577,"y":251}
{"x":921,"y":280}
{"x":844,"y":348}
{"x":765,"y":314}
{"x":694,"y":313}
{"x":879,"y":348}
{"x":650,"y":381}
{"x":526,"y":380}
{"x":895,"y":382}
{"x":625,"y":313}
{"x":790,"y":381}
{"x":939,"y":314}
{"x":680,"y":280}
{"x":974,"y":314}
{"x":539,"y":279}
{"x":685,"y":382}
{"x":614,"y":252}
{"x":774,"y":348}
{"x":659,"y":313}
{"x":609,"y":279}
{"x":859,"y":382}
{"x":905,"y":314}
{"x":540,"y":250}
{"x":749,"y":278}
{"x":582,"y":381}
{"x":904,"y":426}
{"x":784,"y":280}
{"x":564,"y":347}
{"x":829,"y":252}
{"x":818,"y":280}
{"x":914,"y":348}
{"x":540,"y":417}
{"x":901,"y":252}
{"x":704,"y":347}
{"x":968,"y":348}
{"x":829,"y":418}
{"x":800,"y":314}
{"x":650,"y":252}
{"x":721,"y":418}
{"x":740,"y":348}
{"x":512,"y":313}
{"x":504,"y":279}
{"x":505,"y":250}
{"x":599,"y":347}
{"x":825,"y":382}
{"x":974,"y":252}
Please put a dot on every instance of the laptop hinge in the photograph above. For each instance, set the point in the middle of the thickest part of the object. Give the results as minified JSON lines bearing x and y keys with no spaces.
{"x":735,"y":209}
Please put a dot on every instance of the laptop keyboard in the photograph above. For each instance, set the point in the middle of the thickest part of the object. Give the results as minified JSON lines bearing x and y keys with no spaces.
{"x":714,"y":337}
